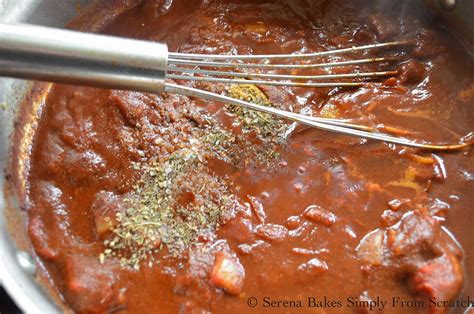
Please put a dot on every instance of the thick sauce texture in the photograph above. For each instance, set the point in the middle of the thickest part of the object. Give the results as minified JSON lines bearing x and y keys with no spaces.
{"x":312,"y":214}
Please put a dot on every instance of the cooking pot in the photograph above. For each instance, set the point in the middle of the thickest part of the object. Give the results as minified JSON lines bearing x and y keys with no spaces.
{"x":18,"y":272}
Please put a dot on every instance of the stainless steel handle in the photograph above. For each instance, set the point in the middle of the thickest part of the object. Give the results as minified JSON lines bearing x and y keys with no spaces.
{"x":64,"y":56}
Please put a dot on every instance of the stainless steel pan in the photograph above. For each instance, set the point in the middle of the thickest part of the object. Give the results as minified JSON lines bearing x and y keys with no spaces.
{"x":17,"y":270}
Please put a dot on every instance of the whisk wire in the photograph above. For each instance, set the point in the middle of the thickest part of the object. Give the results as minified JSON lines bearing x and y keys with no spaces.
{"x":179,"y":55}
{"x":200,"y":63}
{"x":320,"y":123}
{"x":284,"y":76}
{"x":262,"y":82}
{"x":65,"y":56}
{"x":192,"y":67}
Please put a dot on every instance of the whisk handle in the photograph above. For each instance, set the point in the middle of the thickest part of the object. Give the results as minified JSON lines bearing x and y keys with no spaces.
{"x":64,"y":56}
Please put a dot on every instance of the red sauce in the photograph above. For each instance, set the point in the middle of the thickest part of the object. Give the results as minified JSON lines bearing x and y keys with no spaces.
{"x":329,"y":217}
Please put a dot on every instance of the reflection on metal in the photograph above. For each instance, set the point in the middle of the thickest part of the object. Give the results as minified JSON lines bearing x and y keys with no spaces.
{"x":448,"y":4}
{"x":26,"y":262}
{"x":16,"y":268}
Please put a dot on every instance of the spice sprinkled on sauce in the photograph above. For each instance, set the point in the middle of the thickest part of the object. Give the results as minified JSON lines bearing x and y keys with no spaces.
{"x":268,"y":127}
{"x":178,"y":200}
{"x":174,"y":203}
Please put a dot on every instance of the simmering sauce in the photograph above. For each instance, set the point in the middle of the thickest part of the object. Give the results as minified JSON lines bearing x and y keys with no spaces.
{"x":142,"y":203}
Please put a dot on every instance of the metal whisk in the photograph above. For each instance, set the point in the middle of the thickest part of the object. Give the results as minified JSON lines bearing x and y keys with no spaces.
{"x":63,"y":56}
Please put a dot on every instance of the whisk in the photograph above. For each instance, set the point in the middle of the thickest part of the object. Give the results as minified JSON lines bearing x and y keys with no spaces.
{"x":64,"y":56}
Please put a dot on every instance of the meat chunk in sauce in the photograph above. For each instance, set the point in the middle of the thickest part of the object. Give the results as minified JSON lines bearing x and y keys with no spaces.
{"x":209,"y":271}
{"x":440,"y":278}
{"x":228,"y":273}
{"x":411,"y":72}
{"x":95,"y":283}
{"x":317,"y":214}
{"x":272,"y":232}
{"x":379,"y":25}
{"x":417,"y":247}
{"x":105,"y":207}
